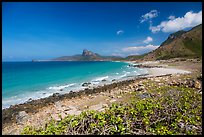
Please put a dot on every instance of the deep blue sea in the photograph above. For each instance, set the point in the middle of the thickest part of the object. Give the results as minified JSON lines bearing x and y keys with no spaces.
{"x":24,"y":80}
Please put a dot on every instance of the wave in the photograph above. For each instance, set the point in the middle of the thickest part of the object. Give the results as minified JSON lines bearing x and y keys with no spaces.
{"x":100,"y":79}
{"x":123,"y":76}
{"x":62,"y":87}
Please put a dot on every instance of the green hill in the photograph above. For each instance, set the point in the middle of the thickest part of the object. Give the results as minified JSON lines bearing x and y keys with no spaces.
{"x":186,"y":44}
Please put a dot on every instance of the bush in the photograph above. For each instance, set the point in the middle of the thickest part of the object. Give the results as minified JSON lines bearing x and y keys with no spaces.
{"x":177,"y":111}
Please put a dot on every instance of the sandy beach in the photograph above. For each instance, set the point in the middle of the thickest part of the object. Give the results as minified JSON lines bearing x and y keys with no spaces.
{"x":37,"y":112}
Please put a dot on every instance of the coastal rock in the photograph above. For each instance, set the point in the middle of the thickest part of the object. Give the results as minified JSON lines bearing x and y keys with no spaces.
{"x":140,"y":84}
{"x":105,"y":105}
{"x":102,"y":109}
{"x":96,"y":107}
{"x":91,"y":96}
{"x":119,"y":96}
{"x":160,"y":84}
{"x":191,"y":83}
{"x":197,"y":85}
{"x":157,"y":80}
{"x":103,"y":80}
{"x":55,"y":94}
{"x":73,"y":111}
{"x":140,"y":88}
{"x":113,"y":100}
{"x":59,"y":106}
{"x":86,"y":84}
{"x":86,"y":107}
{"x":144,"y":95}
{"x":29,"y":100}
{"x":56,"y":117}
{"x":21,"y":117}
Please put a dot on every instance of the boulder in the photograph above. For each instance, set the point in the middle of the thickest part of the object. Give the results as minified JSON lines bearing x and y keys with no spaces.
{"x":105,"y":105}
{"x":86,"y":107}
{"x":96,"y":107}
{"x":197,"y":85}
{"x":144,"y":95}
{"x":113,"y":100}
{"x":22,"y":117}
{"x":55,"y":94}
{"x":191,"y":83}
{"x":86,"y":84}
{"x":119,"y":96}
{"x":140,"y":88}
{"x":157,"y":80}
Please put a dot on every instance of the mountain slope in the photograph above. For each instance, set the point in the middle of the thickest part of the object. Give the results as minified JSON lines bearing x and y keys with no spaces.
{"x":179,"y":44}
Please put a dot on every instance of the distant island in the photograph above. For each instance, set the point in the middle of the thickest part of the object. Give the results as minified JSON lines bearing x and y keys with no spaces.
{"x":85,"y":56}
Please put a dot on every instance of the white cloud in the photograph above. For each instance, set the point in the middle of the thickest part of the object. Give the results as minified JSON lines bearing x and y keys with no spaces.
{"x":148,"y":16}
{"x":119,"y":32}
{"x":139,"y":49}
{"x":148,"y":40}
{"x":171,"y":17}
{"x":189,"y":20}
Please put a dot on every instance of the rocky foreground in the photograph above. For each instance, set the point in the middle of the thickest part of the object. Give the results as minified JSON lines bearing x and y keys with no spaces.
{"x":37,"y":113}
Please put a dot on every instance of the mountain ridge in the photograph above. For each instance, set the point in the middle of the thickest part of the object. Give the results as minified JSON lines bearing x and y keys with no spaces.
{"x":187,"y":44}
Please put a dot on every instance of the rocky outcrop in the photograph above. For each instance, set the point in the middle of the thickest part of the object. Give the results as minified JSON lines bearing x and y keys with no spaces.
{"x":21,"y":117}
{"x":88,"y":53}
{"x":86,"y":56}
{"x":86,"y":84}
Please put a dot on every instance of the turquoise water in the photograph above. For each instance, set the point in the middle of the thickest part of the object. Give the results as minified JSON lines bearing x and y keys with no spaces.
{"x":24,"y":80}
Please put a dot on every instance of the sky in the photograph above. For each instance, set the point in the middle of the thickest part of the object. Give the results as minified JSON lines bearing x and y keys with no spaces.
{"x":45,"y":30}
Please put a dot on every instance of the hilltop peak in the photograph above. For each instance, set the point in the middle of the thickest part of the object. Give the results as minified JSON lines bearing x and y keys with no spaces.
{"x":88,"y":53}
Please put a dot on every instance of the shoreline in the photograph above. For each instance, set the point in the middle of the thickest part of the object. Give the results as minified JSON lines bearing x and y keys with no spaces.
{"x":37,"y":112}
{"x":151,"y":71}
{"x":9,"y":114}
{"x":77,"y":87}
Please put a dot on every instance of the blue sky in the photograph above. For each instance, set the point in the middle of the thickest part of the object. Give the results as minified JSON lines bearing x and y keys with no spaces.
{"x":42,"y":30}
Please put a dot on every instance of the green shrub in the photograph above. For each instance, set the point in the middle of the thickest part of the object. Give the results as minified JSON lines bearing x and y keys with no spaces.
{"x":177,"y":111}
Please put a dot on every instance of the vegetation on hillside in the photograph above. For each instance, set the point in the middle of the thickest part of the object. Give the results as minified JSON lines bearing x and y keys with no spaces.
{"x":187,"y":44}
{"x":194,"y":45}
{"x":134,"y":57}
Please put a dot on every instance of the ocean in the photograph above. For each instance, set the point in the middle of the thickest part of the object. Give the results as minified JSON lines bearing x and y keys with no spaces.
{"x":24,"y":80}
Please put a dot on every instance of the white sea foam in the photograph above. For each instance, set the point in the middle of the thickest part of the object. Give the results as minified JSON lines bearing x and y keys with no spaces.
{"x":123,"y":76}
{"x":99,"y":79}
{"x":61,"y":87}
{"x":120,"y":75}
